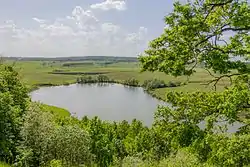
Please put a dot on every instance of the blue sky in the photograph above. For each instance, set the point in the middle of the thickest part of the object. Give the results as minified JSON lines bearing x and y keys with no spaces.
{"x":52,"y":28}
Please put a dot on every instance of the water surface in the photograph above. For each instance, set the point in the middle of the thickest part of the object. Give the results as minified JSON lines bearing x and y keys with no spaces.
{"x":112,"y":102}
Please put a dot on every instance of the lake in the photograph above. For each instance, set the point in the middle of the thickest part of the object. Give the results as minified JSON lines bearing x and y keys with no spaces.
{"x":112,"y":102}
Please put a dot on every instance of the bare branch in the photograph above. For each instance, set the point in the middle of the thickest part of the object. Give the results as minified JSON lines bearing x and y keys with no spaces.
{"x":210,"y":73}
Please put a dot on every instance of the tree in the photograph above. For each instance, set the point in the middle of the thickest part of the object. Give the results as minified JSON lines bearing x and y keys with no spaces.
{"x":48,"y":142}
{"x":204,"y":31}
{"x":36,"y":132}
{"x":13,"y":104}
{"x":71,"y":145}
{"x":212,"y":33}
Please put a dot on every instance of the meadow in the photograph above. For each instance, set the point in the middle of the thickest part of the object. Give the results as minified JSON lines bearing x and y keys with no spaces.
{"x":49,"y":73}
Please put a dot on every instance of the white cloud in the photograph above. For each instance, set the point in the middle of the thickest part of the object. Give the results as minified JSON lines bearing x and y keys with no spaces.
{"x":110,"y":28}
{"x":38,"y":20}
{"x":110,"y":4}
{"x":77,"y":34}
{"x":139,"y":36}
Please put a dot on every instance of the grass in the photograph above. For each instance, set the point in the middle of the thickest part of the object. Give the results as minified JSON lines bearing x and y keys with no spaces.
{"x":58,"y":112}
{"x":39,"y":73}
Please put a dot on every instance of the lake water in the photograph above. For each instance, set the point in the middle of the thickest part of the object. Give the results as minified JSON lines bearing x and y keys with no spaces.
{"x":113,"y":102}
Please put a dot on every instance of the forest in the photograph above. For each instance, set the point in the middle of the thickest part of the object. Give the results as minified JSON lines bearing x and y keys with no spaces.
{"x":207,"y":32}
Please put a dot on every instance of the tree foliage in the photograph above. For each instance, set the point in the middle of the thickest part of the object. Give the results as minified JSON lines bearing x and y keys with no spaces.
{"x":13,"y":103}
{"x":212,"y":33}
{"x":202,"y":31}
{"x":191,"y":131}
{"x":46,"y":141}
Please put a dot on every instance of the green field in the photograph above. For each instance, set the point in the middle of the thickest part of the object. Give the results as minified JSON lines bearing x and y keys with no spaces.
{"x":42,"y":73}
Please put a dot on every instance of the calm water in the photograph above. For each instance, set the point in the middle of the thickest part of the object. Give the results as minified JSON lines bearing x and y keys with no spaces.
{"x":112,"y":102}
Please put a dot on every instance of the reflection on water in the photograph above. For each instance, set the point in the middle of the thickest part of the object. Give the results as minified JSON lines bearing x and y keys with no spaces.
{"x":112,"y":102}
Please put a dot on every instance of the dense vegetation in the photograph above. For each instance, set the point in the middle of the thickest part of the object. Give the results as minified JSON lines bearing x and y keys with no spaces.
{"x":45,"y":138}
{"x":97,"y":79}
{"x":147,"y":84}
{"x":35,"y":135}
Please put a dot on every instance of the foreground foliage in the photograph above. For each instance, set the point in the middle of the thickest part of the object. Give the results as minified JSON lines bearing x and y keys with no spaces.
{"x":13,"y":104}
{"x":47,"y":139}
{"x":192,"y":131}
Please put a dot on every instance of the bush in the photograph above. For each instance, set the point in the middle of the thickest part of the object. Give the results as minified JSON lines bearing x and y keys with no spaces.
{"x":103,"y":78}
{"x":183,"y":158}
{"x":86,"y":79}
{"x":55,"y":163}
{"x":153,"y":84}
{"x":36,"y":131}
{"x":131,"y":82}
{"x":71,"y":145}
{"x":172,"y":84}
{"x":44,"y":141}
{"x":156,"y":83}
{"x":91,"y":79}
{"x":230,"y":151}
{"x":130,"y":162}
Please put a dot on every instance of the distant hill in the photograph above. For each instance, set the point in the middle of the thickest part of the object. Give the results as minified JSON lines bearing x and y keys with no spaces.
{"x":85,"y":58}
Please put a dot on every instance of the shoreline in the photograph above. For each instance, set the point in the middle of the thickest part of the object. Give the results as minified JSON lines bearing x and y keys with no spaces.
{"x":149,"y":92}
{"x":57,"y":109}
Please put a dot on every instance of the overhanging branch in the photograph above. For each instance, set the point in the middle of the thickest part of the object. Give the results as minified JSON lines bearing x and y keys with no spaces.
{"x":220,"y":4}
{"x":217,"y":79}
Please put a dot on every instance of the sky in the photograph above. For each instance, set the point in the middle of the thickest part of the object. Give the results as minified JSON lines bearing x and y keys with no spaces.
{"x":60,"y":28}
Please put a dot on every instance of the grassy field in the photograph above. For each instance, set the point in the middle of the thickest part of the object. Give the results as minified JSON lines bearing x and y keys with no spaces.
{"x":40,"y":73}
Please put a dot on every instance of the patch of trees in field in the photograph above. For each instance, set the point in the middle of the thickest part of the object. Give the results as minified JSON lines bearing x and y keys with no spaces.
{"x":147,"y":84}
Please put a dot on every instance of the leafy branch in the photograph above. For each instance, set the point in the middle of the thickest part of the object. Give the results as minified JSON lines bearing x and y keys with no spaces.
{"x":217,"y":79}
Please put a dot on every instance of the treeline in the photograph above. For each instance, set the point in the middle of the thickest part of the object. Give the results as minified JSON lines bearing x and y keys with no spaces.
{"x":78,"y":64}
{"x":85,"y":58}
{"x":147,"y":84}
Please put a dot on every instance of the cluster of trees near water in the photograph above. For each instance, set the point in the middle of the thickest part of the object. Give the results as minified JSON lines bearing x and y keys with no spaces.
{"x":31,"y":135}
{"x":147,"y":84}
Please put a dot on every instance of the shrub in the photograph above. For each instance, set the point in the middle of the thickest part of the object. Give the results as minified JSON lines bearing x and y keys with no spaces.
{"x":131,"y":162}
{"x":153,"y":84}
{"x":103,"y":78}
{"x":182,"y":158}
{"x":86,"y":79}
{"x":36,"y":131}
{"x":71,"y":145}
{"x":229,"y":151}
{"x":91,"y":79}
{"x":55,"y":163}
{"x":131,"y":82}
{"x":173,"y":84}
{"x":44,"y":141}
